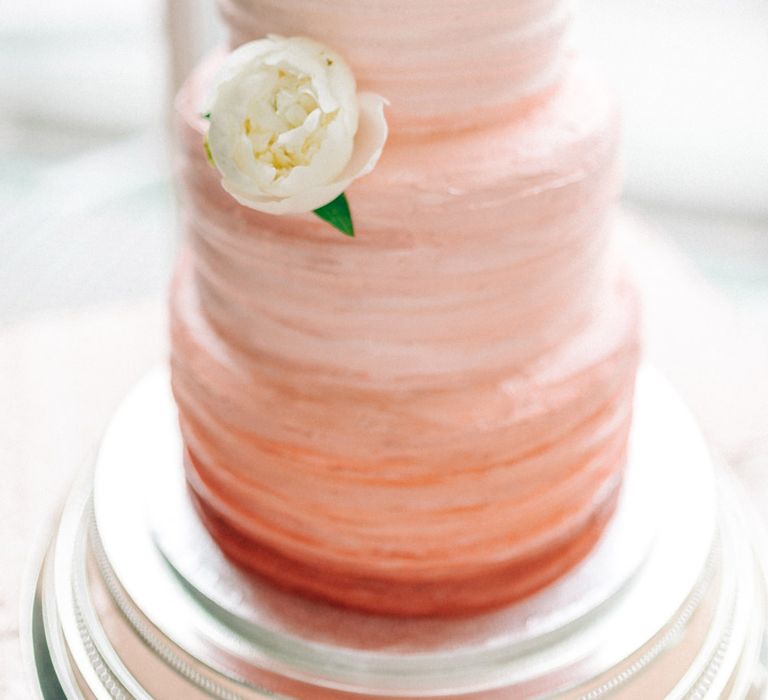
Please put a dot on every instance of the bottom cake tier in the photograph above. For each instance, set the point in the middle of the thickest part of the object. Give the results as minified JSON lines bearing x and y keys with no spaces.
{"x":134,"y":599}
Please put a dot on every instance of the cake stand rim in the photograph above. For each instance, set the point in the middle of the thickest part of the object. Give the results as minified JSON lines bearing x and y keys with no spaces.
{"x":451,"y":656}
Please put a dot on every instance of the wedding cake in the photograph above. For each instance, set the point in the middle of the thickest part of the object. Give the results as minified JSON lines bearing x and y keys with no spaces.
{"x":405,"y":450}
{"x":429,"y":416}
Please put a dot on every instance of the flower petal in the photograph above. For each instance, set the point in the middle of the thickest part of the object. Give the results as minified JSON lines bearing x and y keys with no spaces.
{"x":327,"y":164}
{"x":371,"y":135}
{"x":273,"y":163}
{"x":369,"y":142}
{"x":299,"y":203}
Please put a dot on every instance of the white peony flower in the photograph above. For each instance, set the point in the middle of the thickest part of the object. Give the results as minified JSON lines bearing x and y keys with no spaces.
{"x":288,"y":130}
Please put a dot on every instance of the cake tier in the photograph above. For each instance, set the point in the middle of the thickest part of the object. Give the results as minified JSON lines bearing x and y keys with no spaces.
{"x":437,"y":61}
{"x":431,"y":417}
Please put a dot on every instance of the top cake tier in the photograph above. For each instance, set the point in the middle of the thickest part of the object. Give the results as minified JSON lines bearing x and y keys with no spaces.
{"x":439,"y":62}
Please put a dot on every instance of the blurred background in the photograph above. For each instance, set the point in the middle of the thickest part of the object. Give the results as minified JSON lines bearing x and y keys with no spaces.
{"x":85,"y":86}
{"x":87,"y":230}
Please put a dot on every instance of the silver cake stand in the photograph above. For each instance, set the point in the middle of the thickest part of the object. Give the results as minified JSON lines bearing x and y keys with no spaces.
{"x":134,"y":600}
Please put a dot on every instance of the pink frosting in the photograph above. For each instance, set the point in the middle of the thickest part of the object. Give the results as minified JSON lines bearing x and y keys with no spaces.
{"x":430,"y":417}
{"x":435,"y":60}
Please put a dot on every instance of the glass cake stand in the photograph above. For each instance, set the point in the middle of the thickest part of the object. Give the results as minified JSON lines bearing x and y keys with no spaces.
{"x":134,"y":600}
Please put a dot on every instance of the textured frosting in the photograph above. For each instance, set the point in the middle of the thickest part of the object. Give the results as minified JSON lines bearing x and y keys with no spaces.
{"x":436,"y":60}
{"x":431,"y":417}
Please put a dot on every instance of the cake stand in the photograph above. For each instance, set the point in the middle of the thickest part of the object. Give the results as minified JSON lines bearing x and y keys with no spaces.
{"x":134,"y":600}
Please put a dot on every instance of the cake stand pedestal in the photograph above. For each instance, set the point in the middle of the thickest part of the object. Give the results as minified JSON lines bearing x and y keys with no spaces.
{"x":134,"y":600}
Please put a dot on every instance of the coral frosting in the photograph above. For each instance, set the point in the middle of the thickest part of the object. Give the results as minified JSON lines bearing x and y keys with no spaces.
{"x":432,"y":417}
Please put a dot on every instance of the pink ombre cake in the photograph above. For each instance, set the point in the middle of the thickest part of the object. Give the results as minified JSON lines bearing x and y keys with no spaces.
{"x":431,"y":417}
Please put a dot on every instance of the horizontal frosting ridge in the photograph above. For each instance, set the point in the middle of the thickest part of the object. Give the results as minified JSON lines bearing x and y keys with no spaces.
{"x":432,"y":417}
{"x":434,"y":60}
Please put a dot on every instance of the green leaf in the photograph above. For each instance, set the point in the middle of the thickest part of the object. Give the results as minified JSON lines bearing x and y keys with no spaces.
{"x":337,"y":214}
{"x":207,"y":115}
{"x":208,"y":154}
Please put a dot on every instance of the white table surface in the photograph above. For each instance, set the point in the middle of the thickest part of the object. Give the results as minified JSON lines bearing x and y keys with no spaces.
{"x":62,"y":373}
